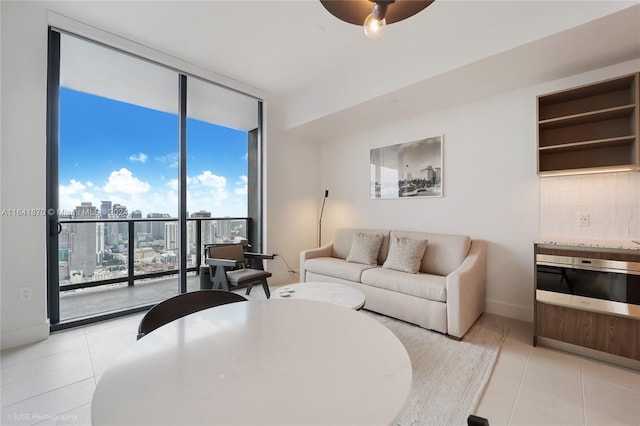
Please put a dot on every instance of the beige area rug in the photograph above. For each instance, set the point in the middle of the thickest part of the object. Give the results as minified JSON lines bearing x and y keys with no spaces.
{"x":448,"y":376}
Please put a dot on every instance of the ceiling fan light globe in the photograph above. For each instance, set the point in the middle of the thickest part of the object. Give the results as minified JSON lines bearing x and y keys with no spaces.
{"x":373,"y":28}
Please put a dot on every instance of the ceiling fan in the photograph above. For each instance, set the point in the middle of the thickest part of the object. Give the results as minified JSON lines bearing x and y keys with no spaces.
{"x":374,"y":14}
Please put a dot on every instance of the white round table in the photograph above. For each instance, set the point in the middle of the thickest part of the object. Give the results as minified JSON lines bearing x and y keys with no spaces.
{"x":338,"y":294}
{"x":267,"y":362}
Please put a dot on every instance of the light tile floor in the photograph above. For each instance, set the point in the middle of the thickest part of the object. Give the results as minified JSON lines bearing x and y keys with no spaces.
{"x":52,"y":382}
{"x":542,"y":386}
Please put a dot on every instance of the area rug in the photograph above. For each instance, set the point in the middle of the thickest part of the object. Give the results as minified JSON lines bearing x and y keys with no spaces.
{"x":448,"y":376}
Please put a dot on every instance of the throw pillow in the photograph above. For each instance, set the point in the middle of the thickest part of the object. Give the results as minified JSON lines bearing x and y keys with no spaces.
{"x":405,"y":254}
{"x":365,"y":248}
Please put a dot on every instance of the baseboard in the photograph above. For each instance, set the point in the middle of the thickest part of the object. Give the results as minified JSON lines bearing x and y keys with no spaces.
{"x":24,"y":335}
{"x":519,"y":312}
{"x":589,"y":353}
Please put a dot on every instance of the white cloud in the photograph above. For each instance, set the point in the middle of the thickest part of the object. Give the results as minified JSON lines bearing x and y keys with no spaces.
{"x":205,"y":191}
{"x":210,"y":180}
{"x":171,"y":160}
{"x":241,"y":185}
{"x":123,"y":181}
{"x":141,"y":157}
{"x":73,"y":188}
{"x":173,"y":184}
{"x":70,"y":196}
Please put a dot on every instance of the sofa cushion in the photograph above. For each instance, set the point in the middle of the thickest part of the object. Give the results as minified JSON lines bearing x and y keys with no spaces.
{"x":344,"y":238}
{"x":405,"y":254}
{"x":425,"y":286}
{"x":444,"y":253}
{"x":365,"y":248}
{"x":337,"y":268}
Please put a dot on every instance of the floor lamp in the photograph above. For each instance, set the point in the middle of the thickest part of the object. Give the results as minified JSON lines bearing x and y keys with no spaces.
{"x":326,"y":194}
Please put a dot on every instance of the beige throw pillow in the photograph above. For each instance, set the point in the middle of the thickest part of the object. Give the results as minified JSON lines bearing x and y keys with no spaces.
{"x":405,"y":254}
{"x":365,"y":248}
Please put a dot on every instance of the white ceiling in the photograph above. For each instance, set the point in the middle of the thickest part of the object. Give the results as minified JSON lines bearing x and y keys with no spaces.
{"x":327,"y":72}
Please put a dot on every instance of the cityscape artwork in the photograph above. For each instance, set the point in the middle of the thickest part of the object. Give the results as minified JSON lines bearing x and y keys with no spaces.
{"x":410,"y":169}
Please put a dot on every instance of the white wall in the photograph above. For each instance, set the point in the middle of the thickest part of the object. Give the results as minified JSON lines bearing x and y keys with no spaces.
{"x":491,"y":189}
{"x":23,"y":170}
{"x":292,"y":197}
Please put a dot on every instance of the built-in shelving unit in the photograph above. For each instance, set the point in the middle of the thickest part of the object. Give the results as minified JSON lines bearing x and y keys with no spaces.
{"x":590,"y":128}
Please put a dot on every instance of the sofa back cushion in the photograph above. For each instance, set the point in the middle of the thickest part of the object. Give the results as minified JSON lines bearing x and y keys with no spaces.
{"x":365,"y":248}
{"x":444,"y":253}
{"x":344,"y":238}
{"x":405,"y":254}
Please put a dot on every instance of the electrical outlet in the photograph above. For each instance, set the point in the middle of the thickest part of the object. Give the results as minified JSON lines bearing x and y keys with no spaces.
{"x":583,"y":219}
{"x":25,"y":293}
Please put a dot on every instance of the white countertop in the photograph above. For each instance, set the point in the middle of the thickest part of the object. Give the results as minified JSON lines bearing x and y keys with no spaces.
{"x":589,"y":243}
{"x":267,"y":362}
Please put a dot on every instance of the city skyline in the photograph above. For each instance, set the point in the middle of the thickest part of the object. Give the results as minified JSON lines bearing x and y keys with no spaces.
{"x":109,"y":210}
{"x":127,"y":154}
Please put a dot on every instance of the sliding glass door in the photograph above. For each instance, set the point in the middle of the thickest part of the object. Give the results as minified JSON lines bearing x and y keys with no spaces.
{"x":136,"y":186}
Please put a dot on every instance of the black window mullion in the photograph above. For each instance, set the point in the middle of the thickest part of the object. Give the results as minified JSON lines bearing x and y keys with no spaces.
{"x":53,"y":113}
{"x":182,"y":171}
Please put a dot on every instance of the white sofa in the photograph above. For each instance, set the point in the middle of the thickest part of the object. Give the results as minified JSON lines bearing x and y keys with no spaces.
{"x":447,"y":294}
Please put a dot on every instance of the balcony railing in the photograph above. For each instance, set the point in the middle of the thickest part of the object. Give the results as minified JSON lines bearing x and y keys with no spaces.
{"x":97,"y":252}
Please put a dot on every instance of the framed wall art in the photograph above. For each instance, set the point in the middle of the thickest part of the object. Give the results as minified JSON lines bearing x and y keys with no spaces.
{"x":407,"y":170}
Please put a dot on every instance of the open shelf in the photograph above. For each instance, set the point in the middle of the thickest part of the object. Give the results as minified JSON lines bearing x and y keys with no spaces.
{"x":597,"y":156}
{"x":624,"y":140}
{"x":587,"y":117}
{"x":589,"y":128}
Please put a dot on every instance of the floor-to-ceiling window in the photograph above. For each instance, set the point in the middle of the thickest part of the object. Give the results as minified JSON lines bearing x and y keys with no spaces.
{"x":146,"y":165}
{"x":219,"y":128}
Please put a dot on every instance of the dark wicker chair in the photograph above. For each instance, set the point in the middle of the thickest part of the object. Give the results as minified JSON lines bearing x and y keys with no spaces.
{"x":184,"y":304}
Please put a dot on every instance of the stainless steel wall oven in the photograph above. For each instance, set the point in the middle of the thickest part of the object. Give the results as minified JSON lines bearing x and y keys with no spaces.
{"x":600,"y":285}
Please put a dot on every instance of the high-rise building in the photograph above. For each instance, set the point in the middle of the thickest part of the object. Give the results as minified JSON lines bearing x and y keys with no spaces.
{"x":223,"y":230}
{"x":120,"y":212}
{"x":82,"y":257}
{"x":201,"y":214}
{"x":157,"y":227}
{"x":206,"y":229}
{"x":171,"y":236}
{"x":100,"y":233}
{"x":105,"y":209}
{"x":64,"y":251}
{"x":140,"y":227}
{"x":112,"y":234}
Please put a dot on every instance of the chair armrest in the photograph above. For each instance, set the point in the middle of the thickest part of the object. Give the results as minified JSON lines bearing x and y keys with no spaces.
{"x":222,"y":262}
{"x":324,"y":251}
{"x":466,"y":290}
{"x":260,"y":256}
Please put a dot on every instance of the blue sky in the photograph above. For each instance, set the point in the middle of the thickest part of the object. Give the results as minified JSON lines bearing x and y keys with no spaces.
{"x":128,"y":154}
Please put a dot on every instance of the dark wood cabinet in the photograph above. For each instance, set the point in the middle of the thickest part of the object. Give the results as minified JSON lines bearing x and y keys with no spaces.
{"x":590,"y":128}
{"x":567,"y":318}
{"x":607,"y":333}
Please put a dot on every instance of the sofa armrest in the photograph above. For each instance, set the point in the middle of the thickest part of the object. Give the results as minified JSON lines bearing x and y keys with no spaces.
{"x":324,"y":251}
{"x":466,"y":290}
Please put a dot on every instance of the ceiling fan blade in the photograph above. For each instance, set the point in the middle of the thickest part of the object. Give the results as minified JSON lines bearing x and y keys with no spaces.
{"x":355,"y":11}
